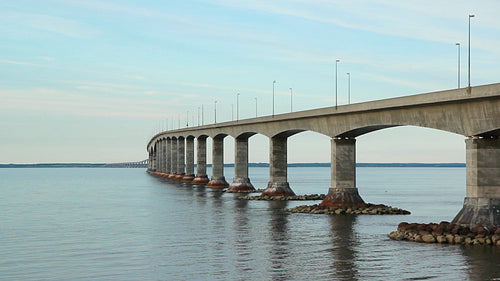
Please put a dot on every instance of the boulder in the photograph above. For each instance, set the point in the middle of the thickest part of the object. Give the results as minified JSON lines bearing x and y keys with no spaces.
{"x":441,"y":239}
{"x":428,"y":238}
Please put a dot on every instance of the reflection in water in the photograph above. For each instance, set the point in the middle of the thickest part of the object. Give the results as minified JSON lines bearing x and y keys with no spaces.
{"x":242,"y":241}
{"x":484,"y":262}
{"x":343,"y":242}
{"x":280,"y":249}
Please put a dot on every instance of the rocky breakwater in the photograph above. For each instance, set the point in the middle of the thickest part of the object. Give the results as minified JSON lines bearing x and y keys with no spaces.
{"x":367,"y":209}
{"x":447,"y":233}
{"x":285,"y":197}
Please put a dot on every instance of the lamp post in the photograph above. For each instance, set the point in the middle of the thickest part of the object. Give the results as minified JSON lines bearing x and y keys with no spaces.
{"x":237,"y":106}
{"x":202,"y":114}
{"x":468,"y":68}
{"x":187,"y":119}
{"x":348,"y":88}
{"x":274,"y":82}
{"x":215,"y":112}
{"x":458,"y":65}
{"x":336,"y":65}
{"x":232,"y":112}
{"x":198,"y":116}
{"x":255,"y":107}
{"x":291,"y":95}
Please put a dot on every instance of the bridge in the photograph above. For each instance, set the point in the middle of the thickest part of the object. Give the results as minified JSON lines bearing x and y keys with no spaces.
{"x":473,"y":112}
{"x":136,"y":164}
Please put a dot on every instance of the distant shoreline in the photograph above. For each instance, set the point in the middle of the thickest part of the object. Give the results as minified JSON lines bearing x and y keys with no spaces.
{"x":104,"y":165}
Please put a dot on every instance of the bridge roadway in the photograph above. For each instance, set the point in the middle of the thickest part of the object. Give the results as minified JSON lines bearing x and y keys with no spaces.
{"x":472,"y":112}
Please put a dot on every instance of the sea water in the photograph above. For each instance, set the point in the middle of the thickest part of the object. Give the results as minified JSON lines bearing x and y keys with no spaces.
{"x":124,"y":224}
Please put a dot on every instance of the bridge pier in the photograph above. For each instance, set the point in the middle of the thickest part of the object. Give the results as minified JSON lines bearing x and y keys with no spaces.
{"x":163,"y":152}
{"x":278,"y":182}
{"x":482,"y":201}
{"x":168,"y":158}
{"x":241,"y":182}
{"x":173,"y":159}
{"x":343,"y":192}
{"x":181,"y":162}
{"x":189,"y":159}
{"x":201,"y":162}
{"x":218,"y":180}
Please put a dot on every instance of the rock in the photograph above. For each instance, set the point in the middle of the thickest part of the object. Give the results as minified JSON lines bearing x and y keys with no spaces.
{"x":418,"y":238}
{"x":495,"y":238}
{"x":441,"y":239}
{"x":428,"y":238}
{"x":459,"y":239}
{"x":450,"y":238}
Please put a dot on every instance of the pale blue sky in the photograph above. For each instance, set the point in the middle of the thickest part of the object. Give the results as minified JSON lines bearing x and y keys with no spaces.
{"x":92,"y":81}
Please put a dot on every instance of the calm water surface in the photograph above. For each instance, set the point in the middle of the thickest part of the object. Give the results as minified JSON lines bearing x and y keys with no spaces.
{"x":123,"y":224}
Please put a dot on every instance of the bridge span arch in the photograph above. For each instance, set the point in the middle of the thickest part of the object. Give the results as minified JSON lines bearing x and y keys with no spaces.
{"x":471,"y":112}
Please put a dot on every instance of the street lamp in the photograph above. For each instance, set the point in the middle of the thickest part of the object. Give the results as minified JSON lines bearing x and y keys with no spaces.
{"x":255,"y":107}
{"x":237,"y":106}
{"x":232,"y":112}
{"x":198,"y":116}
{"x":348,"y":87}
{"x":336,"y":65}
{"x":215,"y":112}
{"x":187,"y":119}
{"x":468,"y":68}
{"x":202,"y":114}
{"x":274,"y":82}
{"x":458,"y":66}
{"x":291,"y":95}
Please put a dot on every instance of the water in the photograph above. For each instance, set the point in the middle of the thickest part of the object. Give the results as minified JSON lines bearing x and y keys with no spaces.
{"x":123,"y":224}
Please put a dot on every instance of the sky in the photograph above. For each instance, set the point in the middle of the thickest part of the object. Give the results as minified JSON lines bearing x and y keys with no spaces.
{"x":93,"y":81}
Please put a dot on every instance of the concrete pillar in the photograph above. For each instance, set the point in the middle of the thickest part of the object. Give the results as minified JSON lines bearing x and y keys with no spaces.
{"x":241,"y":182}
{"x":180,"y":158}
{"x":154,"y":157}
{"x":278,"y":183}
{"x":189,"y":160}
{"x":173,"y":159}
{"x":343,"y":192}
{"x":218,"y":180}
{"x":482,"y":201}
{"x":150,"y":161}
{"x":160,"y":156}
{"x":201,"y":162}
{"x":168,"y":156}
{"x":164,"y":157}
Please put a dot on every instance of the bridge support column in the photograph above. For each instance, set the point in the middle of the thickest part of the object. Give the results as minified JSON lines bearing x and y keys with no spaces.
{"x":189,"y":160}
{"x":218,"y":180}
{"x":201,"y":162}
{"x":173,"y":159}
{"x":482,"y":201}
{"x":343,"y":192}
{"x":155,"y":158}
{"x":241,"y":181}
{"x":168,"y":156}
{"x":162,"y":158}
{"x":278,"y":183}
{"x":181,"y":162}
{"x":150,"y":161}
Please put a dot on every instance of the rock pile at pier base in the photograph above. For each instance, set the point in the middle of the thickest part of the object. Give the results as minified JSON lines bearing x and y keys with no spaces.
{"x":285,"y":197}
{"x":447,"y":233}
{"x":369,"y":209}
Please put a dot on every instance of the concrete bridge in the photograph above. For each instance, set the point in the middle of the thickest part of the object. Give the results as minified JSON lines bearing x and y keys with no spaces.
{"x":472,"y":112}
